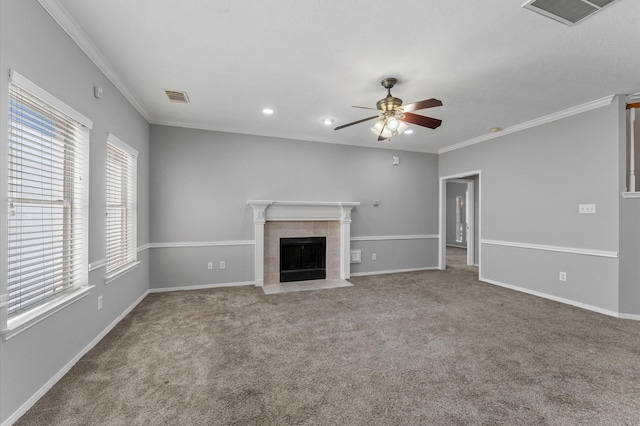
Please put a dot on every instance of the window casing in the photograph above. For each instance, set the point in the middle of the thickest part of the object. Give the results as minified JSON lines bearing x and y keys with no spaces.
{"x":121,"y":207}
{"x":47,"y":203}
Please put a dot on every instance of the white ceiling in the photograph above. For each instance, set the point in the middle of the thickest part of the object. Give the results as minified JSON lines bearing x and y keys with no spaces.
{"x":492,"y":63}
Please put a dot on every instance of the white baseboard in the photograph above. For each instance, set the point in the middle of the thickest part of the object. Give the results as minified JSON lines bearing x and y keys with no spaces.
{"x":201,"y":287}
{"x":629,"y":316}
{"x":563,"y":300}
{"x":64,"y":370}
{"x":396,"y":271}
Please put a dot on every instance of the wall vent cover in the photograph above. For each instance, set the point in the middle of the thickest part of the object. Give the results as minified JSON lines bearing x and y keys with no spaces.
{"x":175,"y":96}
{"x":569,"y":12}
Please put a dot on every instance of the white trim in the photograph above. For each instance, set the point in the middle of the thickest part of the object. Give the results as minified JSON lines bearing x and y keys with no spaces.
{"x":64,"y":370}
{"x":67,"y":23}
{"x":442,"y":218}
{"x":202,"y":244}
{"x":202,"y":287}
{"x":631,"y":195}
{"x":598,"y":103}
{"x":43,"y":95}
{"x":571,"y":250}
{"x":395,"y":271}
{"x":562,"y":300}
{"x":101,"y":263}
{"x":395,"y":237}
{"x":28,"y":319}
{"x":97,"y":264}
{"x":634,"y":317}
{"x":111,"y":138}
{"x":120,"y":272}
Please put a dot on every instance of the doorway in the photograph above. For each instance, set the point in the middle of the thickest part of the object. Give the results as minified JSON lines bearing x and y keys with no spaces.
{"x":460,"y":225}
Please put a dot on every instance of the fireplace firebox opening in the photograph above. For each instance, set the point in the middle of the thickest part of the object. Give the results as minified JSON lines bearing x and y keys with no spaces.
{"x":303,"y":259}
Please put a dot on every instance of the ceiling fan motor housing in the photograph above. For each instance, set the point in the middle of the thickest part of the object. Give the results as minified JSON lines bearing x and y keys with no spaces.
{"x":389,"y":104}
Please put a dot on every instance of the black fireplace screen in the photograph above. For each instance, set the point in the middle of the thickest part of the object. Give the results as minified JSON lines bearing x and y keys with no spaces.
{"x":303,"y":259}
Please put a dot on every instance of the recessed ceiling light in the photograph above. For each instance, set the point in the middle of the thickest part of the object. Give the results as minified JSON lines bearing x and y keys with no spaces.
{"x":267,"y":111}
{"x":408,"y":131}
{"x":327,"y":121}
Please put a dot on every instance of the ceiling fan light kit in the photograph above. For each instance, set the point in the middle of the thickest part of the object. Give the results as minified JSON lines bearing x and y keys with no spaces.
{"x":393,"y":115}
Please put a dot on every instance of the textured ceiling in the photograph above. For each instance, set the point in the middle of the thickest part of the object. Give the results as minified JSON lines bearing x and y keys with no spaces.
{"x":492,"y":63}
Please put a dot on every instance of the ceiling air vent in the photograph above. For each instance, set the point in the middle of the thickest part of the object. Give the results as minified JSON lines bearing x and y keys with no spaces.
{"x":175,"y":96}
{"x":569,"y":12}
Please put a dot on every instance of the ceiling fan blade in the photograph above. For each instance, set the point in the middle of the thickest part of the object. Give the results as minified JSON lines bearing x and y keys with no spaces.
{"x":427,"y":103}
{"x":356,"y":122}
{"x":355,"y":106}
{"x":421,"y":120}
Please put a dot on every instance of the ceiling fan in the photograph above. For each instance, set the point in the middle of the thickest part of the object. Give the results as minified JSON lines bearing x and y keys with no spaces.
{"x":393,"y":115}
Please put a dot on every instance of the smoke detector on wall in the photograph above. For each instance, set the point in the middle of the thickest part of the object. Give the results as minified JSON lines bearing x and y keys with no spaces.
{"x":569,"y":12}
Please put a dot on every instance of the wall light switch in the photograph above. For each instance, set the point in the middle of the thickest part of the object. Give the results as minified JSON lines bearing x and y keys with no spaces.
{"x":395,"y":160}
{"x":210,"y":265}
{"x":374,"y":256}
{"x":223,"y":264}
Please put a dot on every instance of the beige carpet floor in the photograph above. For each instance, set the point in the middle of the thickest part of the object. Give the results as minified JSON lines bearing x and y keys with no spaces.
{"x":419,"y":348}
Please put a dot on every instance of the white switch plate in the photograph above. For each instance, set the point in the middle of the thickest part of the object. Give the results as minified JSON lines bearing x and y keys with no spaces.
{"x":373,"y":256}
{"x":587,"y":208}
{"x":562,"y":276}
{"x":223,"y":264}
{"x":210,"y":265}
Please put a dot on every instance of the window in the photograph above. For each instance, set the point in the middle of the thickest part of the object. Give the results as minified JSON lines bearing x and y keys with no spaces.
{"x":121,"y":207}
{"x":47,"y":216}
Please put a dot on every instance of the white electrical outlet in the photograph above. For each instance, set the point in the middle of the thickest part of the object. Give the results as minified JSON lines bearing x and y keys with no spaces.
{"x":223,"y":264}
{"x":99,"y":302}
{"x":374,"y":256}
{"x":562,"y":276}
{"x":586,"y":208}
{"x":210,"y":265}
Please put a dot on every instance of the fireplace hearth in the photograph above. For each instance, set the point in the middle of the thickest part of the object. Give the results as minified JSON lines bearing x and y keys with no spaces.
{"x":303,"y":259}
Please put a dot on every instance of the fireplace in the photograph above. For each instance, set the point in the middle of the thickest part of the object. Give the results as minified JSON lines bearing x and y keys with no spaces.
{"x":288,"y":219}
{"x":303,"y":259}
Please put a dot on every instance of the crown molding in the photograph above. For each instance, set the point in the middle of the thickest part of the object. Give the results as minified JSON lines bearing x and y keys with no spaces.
{"x":67,"y":23}
{"x":607,"y":100}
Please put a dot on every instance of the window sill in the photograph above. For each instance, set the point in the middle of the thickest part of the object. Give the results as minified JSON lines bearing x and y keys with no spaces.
{"x":30,"y":318}
{"x":120,"y":272}
{"x":631,"y":195}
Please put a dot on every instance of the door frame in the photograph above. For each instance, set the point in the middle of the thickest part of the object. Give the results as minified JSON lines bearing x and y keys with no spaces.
{"x":470,"y":212}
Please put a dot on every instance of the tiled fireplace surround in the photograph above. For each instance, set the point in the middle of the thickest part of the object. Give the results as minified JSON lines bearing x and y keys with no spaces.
{"x":273,"y":231}
{"x":281,"y":219}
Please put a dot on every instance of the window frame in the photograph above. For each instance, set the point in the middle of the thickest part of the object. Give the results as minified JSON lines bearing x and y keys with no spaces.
{"x":126,"y":246}
{"x":15,"y":323}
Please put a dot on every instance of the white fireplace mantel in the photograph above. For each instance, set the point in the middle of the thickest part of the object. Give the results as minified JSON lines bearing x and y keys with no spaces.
{"x":269,"y":210}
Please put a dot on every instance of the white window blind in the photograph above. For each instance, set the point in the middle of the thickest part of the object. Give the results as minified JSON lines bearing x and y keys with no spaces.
{"x":47,"y":230}
{"x":121,"y":207}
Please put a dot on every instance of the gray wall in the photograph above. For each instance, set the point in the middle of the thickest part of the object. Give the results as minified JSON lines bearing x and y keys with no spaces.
{"x":203,"y":179}
{"x":532,"y":182}
{"x":35,"y":46}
